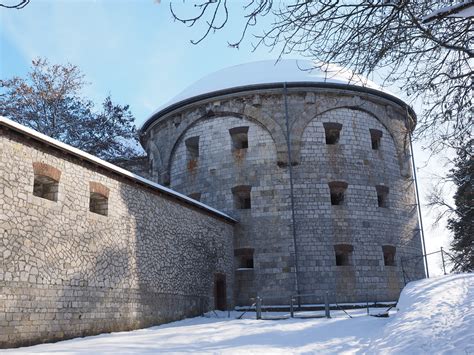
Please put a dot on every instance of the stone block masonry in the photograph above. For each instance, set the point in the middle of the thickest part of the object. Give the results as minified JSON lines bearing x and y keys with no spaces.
{"x":351,"y":177}
{"x":152,"y":257}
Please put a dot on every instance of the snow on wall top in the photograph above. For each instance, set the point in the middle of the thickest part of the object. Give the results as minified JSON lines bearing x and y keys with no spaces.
{"x":464,"y":9}
{"x":271,"y":72}
{"x":108,"y":166}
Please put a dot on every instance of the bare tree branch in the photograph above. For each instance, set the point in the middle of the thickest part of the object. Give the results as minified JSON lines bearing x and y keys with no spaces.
{"x":17,"y":6}
{"x":429,"y":59}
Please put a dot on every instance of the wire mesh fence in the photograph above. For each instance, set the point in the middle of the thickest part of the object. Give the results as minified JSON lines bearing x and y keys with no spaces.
{"x":328,"y":304}
{"x":441,"y":263}
{"x":314,"y":305}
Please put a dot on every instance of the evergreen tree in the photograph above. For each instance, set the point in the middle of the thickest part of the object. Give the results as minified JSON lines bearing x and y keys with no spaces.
{"x":461,"y":222}
{"x":48,"y":100}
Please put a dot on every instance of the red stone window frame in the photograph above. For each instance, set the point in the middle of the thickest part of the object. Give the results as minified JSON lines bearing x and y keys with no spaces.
{"x":98,"y":198}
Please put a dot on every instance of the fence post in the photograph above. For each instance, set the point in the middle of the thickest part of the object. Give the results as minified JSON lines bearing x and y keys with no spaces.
{"x":259,"y":308}
{"x":442,"y":259}
{"x":367,"y":301}
{"x":403,"y":273}
{"x":292,"y":314}
{"x":326,"y":305}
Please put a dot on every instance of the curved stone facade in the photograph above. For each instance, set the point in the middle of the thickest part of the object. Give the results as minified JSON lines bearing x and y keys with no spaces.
{"x":297,"y":239}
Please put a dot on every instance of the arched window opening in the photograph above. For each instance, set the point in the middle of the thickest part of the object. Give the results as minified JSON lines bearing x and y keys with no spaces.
{"x":46,"y":181}
{"x":99,"y":198}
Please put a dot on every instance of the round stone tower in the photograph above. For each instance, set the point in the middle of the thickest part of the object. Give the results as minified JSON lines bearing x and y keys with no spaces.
{"x":315,"y":165}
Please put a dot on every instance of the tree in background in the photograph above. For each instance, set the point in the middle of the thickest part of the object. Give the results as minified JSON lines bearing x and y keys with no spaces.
{"x":461,"y":221}
{"x":422,"y":46}
{"x":48,"y":100}
{"x":459,"y":213}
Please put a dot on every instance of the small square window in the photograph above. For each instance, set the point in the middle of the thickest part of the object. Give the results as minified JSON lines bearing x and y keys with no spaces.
{"x":376,"y":138}
{"x":246,"y":262}
{"x":46,"y":187}
{"x":389,"y":252}
{"x":380,"y":201}
{"x":332,"y":131}
{"x":343,"y":254}
{"x":99,"y":198}
{"x":239,"y":137}
{"x":382,"y":196}
{"x":337,"y":198}
{"x":242,"y":198}
{"x":245,"y":203}
{"x":46,"y":181}
{"x":192,"y":148}
{"x":342,"y":259}
{"x":337,"y":190}
{"x":244,"y":258}
{"x":98,"y":203}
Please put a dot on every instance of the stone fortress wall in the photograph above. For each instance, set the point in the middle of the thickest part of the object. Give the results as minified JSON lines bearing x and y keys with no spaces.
{"x":353,"y":250}
{"x":144,"y":257}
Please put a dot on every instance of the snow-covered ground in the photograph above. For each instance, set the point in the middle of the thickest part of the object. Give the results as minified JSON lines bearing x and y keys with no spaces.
{"x":435,"y":316}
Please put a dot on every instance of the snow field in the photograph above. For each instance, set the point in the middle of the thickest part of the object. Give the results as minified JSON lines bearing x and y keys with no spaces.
{"x":436,"y":316}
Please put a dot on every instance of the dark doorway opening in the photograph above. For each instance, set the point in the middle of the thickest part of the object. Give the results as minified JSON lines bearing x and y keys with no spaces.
{"x":220,"y":295}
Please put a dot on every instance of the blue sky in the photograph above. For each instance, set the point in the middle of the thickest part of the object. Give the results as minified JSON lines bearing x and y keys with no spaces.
{"x":133,"y":50}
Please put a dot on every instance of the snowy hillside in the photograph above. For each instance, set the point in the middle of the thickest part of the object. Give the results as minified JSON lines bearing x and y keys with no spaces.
{"x":435,"y":316}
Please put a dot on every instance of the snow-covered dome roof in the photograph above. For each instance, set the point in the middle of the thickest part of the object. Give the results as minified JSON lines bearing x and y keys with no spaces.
{"x":267,"y":73}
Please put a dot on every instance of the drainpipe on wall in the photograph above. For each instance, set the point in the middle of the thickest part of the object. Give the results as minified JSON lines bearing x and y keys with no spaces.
{"x":418,"y":204}
{"x":290,"y":161}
